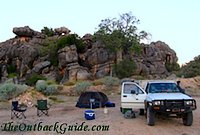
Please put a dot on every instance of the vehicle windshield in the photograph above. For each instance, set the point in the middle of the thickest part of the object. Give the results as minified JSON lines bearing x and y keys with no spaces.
{"x":163,"y":87}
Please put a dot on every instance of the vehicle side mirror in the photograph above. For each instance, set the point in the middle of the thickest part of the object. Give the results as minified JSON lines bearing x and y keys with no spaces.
{"x":178,"y":83}
{"x":133,"y":92}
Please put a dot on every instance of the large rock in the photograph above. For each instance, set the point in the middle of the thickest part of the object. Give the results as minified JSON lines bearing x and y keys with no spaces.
{"x":40,"y":66}
{"x":98,"y":54}
{"x":153,"y":59}
{"x":26,"y":31}
{"x":21,"y":55}
{"x":67,"y":55}
{"x":87,"y":39}
{"x":76,"y":72}
{"x":98,"y":59}
{"x":23,"y":31}
{"x":62,"y":30}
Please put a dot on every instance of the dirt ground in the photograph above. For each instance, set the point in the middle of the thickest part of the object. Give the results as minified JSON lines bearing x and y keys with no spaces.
{"x":65,"y":112}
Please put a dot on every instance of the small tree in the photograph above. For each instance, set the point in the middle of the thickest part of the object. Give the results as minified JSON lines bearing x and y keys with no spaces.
{"x":48,"y":31}
{"x":120,"y":34}
{"x":124,"y":68}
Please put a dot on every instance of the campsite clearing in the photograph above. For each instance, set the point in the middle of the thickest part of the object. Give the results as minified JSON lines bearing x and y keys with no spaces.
{"x":66,"y":112}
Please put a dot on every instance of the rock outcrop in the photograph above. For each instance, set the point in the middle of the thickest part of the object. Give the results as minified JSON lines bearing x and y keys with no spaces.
{"x":23,"y":53}
{"x":98,"y":59}
{"x":68,"y":61}
{"x":153,"y":59}
{"x":62,"y":31}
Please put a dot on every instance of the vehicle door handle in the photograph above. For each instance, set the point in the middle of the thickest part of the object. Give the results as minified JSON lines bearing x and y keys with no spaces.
{"x":136,"y":98}
{"x":124,"y":95}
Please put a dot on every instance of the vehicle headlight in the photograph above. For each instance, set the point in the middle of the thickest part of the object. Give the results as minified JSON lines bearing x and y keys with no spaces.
{"x":190,"y":102}
{"x":157,"y":103}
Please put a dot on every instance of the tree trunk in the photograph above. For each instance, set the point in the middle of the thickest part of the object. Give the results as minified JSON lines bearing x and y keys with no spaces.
{"x":119,"y":56}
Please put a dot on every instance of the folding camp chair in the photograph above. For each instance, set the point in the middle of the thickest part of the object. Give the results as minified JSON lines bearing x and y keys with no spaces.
{"x":42,"y":107}
{"x":17,"y":110}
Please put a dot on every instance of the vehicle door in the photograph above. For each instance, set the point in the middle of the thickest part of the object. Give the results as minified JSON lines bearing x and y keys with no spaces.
{"x":133,"y":95}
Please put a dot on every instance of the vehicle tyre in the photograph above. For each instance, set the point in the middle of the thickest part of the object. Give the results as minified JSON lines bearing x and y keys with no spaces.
{"x":188,"y":119}
{"x":150,"y":116}
{"x":141,"y":112}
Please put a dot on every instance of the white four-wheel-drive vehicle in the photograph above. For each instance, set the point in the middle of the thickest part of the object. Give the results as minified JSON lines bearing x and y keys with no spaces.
{"x":164,"y":98}
{"x":167,"y":98}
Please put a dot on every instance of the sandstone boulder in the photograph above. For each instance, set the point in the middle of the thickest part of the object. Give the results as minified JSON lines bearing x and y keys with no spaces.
{"x":23,"y":31}
{"x":67,"y":55}
{"x":153,"y":59}
{"x":40,"y":66}
{"x":62,"y":30}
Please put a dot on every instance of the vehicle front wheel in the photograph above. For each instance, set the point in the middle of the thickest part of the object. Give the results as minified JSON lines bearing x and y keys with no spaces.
{"x":188,"y":119}
{"x":150,"y":116}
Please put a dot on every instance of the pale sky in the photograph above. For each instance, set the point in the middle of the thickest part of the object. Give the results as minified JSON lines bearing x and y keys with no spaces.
{"x":175,"y":22}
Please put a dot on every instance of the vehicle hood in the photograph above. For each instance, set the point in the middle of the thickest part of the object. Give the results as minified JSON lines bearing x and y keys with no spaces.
{"x":167,"y":96}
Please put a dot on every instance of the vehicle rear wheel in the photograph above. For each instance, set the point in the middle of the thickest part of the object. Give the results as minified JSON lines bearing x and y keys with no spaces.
{"x":150,"y":116}
{"x":188,"y":119}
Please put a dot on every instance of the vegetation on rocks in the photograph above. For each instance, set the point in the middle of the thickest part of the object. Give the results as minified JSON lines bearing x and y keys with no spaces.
{"x":191,"y":69}
{"x":172,"y":66}
{"x":48,"y":31}
{"x":52,"y":45}
{"x":32,"y":79}
{"x":124,"y":68}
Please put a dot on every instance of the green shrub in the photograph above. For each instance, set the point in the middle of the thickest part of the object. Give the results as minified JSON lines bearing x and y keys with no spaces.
{"x":72,"y":39}
{"x":41,"y":85}
{"x":70,"y":83}
{"x":49,"y":47}
{"x":191,"y":69}
{"x":32,"y":79}
{"x":50,"y":82}
{"x":97,"y":82}
{"x":51,"y":89}
{"x":12,"y":75}
{"x":48,"y":31}
{"x":11,"y":69}
{"x":172,"y":66}
{"x":124,"y":68}
{"x":110,"y":81}
{"x":46,"y":87}
{"x":82,"y":87}
{"x":10,"y":90}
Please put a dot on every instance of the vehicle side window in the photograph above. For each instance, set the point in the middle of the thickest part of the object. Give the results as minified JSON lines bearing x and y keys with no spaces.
{"x":140,"y":91}
{"x":129,"y":87}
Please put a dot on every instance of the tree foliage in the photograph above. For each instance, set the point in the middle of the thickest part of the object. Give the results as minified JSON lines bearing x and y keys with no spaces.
{"x":120,"y":33}
{"x":72,"y":39}
{"x":191,"y":69}
{"x":124,"y":68}
{"x":48,"y":31}
{"x":172,"y":66}
{"x":51,"y":46}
